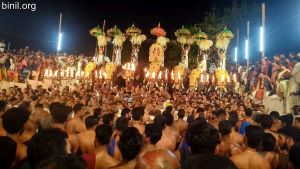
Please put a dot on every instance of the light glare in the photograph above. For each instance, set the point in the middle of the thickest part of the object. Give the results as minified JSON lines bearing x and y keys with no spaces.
{"x":59,"y":41}
{"x":261,"y":39}
{"x":247,"y":49}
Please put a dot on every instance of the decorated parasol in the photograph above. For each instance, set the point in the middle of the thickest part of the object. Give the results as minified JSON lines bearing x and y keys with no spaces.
{"x":184,"y":36}
{"x":97,"y":31}
{"x":200,"y":36}
{"x":115,"y":31}
{"x":133,"y":30}
{"x":182,"y":32}
{"x":158,"y":31}
{"x":102,"y":39}
{"x":223,"y":39}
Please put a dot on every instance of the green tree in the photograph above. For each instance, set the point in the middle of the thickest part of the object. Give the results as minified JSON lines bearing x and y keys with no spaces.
{"x":172,"y":54}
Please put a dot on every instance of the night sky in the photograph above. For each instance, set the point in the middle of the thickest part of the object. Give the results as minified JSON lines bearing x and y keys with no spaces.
{"x":38,"y":29}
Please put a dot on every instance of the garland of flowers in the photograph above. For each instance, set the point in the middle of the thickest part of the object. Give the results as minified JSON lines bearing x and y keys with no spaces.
{"x":184,"y":36}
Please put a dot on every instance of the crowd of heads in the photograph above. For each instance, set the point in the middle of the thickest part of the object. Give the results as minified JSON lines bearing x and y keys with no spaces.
{"x":96,"y":127}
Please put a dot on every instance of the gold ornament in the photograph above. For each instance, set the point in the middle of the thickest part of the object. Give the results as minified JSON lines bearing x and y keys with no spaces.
{"x":194,"y":77}
{"x":110,"y":68}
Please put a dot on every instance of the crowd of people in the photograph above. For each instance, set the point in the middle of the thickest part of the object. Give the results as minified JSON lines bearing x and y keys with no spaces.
{"x":129,"y":126}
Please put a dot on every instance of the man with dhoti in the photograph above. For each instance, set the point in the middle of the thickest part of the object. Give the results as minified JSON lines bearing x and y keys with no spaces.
{"x":294,"y":87}
{"x":276,"y":67}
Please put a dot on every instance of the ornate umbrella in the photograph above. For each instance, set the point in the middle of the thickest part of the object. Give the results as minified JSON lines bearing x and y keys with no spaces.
{"x":133,"y":30}
{"x":158,"y":31}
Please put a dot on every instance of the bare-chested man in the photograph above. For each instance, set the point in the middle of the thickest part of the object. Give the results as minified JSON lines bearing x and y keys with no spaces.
{"x":157,"y":159}
{"x":137,"y":117}
{"x":130,"y":145}
{"x":266,"y":122}
{"x":235,"y":137}
{"x":113,"y":149}
{"x":170,"y":138}
{"x":28,"y":131}
{"x":151,"y":136}
{"x":223,"y":148}
{"x":268,"y":150}
{"x":76,"y":124}
{"x":209,"y":161}
{"x":8,"y":149}
{"x":217,"y":117}
{"x":231,"y":141}
{"x":41,"y":117}
{"x":60,"y":114}
{"x":13,"y":121}
{"x":288,"y":137}
{"x":250,"y":158}
{"x":180,"y":124}
{"x":87,"y":138}
{"x":2,"y":110}
{"x":103,"y":159}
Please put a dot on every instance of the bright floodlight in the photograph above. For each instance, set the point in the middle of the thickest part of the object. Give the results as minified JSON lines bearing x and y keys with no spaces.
{"x":247,"y":49}
{"x":261,"y":39}
{"x":59,"y":41}
{"x":235,"y":54}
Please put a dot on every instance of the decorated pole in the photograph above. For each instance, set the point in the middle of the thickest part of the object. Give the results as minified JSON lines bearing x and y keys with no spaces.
{"x":118,"y":39}
{"x":204,"y":45}
{"x":223,"y":40}
{"x":156,"y":54}
{"x":156,"y":51}
{"x":136,"y":39}
{"x":102,"y":40}
{"x":185,"y":38}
